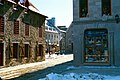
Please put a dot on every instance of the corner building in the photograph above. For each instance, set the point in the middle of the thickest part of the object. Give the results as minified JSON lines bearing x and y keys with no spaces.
{"x":93,"y":37}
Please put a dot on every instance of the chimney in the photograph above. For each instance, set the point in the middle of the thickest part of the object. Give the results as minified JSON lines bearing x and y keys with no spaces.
{"x":16,"y":1}
{"x":27,"y":3}
{"x":22,"y":2}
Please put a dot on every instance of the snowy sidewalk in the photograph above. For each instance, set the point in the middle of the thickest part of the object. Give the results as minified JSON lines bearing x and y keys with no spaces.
{"x":15,"y":71}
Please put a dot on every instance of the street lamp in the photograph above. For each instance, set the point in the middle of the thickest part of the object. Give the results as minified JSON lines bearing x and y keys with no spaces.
{"x":48,"y":47}
{"x":117,"y":18}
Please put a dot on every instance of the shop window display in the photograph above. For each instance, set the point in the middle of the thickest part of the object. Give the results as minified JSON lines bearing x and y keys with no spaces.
{"x":96,"y":46}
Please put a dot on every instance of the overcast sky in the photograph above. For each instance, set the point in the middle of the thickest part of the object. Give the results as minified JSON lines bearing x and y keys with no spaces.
{"x":60,"y":9}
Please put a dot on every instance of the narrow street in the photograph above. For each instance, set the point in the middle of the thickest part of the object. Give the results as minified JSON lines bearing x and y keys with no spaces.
{"x":55,"y":64}
{"x":32,"y":70}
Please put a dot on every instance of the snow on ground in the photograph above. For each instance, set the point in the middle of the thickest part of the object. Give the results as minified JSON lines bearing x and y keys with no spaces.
{"x":99,"y":67}
{"x":77,"y":76}
{"x":53,"y":56}
{"x":74,"y":76}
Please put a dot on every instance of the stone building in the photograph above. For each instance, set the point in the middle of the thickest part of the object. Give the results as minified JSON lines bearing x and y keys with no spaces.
{"x":52,"y":38}
{"x":22,"y":29}
{"x":63,"y":30}
{"x":93,"y":37}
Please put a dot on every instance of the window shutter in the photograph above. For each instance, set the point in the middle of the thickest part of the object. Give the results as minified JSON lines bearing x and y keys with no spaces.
{"x":26,"y":29}
{"x":37,"y":50}
{"x":30,"y":51}
{"x":26,"y":48}
{"x":40,"y":50}
{"x":40,"y":31}
{"x":22,"y":50}
{"x":11,"y":50}
{"x":1,"y":24}
{"x":16,"y":27}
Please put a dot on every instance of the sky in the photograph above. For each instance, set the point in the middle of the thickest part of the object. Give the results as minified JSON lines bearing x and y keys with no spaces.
{"x":62,"y":10}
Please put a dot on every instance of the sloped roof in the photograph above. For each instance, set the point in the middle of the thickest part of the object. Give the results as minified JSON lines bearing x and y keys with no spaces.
{"x":31,"y":7}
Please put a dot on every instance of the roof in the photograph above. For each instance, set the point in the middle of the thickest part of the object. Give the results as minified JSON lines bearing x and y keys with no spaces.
{"x":31,"y":7}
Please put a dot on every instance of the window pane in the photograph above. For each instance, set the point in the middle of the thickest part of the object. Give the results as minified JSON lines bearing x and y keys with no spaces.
{"x":40,"y":50}
{"x":106,"y":7}
{"x":96,"y":46}
{"x":15,"y":50}
{"x":26,"y":50}
{"x":83,"y":8}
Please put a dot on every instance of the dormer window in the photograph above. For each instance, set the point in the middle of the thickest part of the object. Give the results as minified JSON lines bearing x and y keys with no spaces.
{"x":15,"y":8}
{"x":22,"y":2}
{"x":106,"y":7}
{"x":27,"y":3}
{"x":26,"y":11}
{"x":1,"y":2}
{"x":83,"y":8}
{"x":16,"y":1}
{"x":27,"y":6}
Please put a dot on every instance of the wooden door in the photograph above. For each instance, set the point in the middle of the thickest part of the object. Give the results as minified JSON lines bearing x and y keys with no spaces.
{"x":1,"y":54}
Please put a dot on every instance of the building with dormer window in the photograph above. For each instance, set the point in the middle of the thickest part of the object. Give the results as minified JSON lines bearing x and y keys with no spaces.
{"x":22,"y":30}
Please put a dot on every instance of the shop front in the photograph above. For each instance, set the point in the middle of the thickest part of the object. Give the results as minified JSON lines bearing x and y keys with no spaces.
{"x":96,"y":46}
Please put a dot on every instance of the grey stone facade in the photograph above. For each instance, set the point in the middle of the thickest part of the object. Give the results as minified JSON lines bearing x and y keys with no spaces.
{"x":35,"y":20}
{"x":75,"y":36}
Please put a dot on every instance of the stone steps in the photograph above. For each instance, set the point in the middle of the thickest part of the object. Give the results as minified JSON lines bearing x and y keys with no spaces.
{"x":16,"y":71}
{"x":10,"y":74}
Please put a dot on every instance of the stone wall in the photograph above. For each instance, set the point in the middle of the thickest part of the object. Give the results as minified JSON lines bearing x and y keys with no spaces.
{"x":95,"y":20}
{"x":33,"y":39}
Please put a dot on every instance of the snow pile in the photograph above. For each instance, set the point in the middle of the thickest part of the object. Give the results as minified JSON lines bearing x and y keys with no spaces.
{"x":74,"y":76}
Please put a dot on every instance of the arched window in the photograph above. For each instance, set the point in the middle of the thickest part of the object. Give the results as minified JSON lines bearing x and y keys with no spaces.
{"x":96,"y":46}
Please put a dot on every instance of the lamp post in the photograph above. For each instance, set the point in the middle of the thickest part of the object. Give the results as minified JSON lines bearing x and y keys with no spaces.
{"x":117,"y":18}
{"x":48,"y":47}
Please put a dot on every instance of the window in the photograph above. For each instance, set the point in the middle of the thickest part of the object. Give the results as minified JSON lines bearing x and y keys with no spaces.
{"x":1,"y":2}
{"x":1,"y":25}
{"x":16,"y":27}
{"x":106,"y":7}
{"x":26,"y":29}
{"x":83,"y":8}
{"x":96,"y":46}
{"x":26,"y":50}
{"x":40,"y":31}
{"x":40,"y":50}
{"x":15,"y":50}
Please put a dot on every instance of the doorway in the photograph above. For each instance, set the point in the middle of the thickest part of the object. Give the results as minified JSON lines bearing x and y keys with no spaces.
{"x":1,"y":54}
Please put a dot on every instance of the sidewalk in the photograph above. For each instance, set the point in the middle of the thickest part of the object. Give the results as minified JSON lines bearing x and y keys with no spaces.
{"x":12,"y":72}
